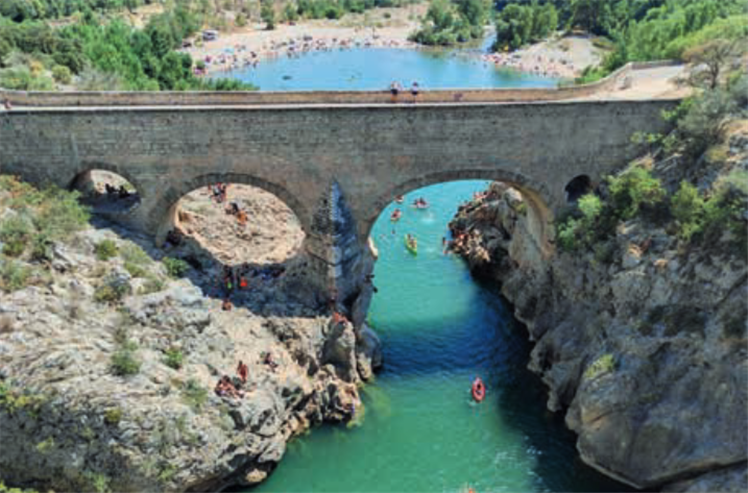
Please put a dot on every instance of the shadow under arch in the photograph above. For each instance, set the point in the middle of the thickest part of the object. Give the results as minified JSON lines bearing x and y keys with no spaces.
{"x":103,"y":204}
{"x":535,"y":193}
{"x":164,"y":212}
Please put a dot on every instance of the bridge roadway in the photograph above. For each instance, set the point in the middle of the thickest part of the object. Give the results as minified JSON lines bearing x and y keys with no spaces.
{"x":336,"y":164}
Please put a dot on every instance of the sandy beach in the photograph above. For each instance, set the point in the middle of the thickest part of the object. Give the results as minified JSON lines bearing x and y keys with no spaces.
{"x":562,"y":57}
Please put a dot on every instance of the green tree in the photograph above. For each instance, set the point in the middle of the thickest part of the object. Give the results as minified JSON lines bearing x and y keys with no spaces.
{"x":267,"y":14}
{"x":594,"y":16}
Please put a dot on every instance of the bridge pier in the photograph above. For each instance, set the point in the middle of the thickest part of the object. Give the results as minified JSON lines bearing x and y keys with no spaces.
{"x":340,"y":264}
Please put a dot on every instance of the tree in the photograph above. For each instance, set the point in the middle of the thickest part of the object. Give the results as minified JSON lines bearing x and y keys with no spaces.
{"x":711,"y":59}
{"x":594,"y":16}
{"x":513,"y":26}
{"x":267,"y":14}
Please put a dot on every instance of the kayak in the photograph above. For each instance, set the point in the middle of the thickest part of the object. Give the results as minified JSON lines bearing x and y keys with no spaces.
{"x":399,"y":199}
{"x":411,"y":246}
{"x":396,"y":215}
{"x":478,"y":390}
{"x":421,"y":205}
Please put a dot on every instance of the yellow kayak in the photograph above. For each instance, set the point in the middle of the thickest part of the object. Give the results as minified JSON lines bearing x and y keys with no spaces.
{"x":411,"y":245}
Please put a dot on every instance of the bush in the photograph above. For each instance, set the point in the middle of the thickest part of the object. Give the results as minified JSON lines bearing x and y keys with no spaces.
{"x":240,"y":20}
{"x":135,"y":270}
{"x":603,"y":364}
{"x":688,"y":210}
{"x":59,"y":214}
{"x":194,"y":395}
{"x":62,"y":74}
{"x":105,"y":249}
{"x":124,"y":362}
{"x":130,"y":252}
{"x":15,"y":233}
{"x":632,"y":190}
{"x":113,"y":416}
{"x":13,"y":275}
{"x":175,"y":267}
{"x":41,"y":247}
{"x":705,"y":120}
{"x":153,"y":284}
{"x":174,"y":358}
{"x":111,"y":293}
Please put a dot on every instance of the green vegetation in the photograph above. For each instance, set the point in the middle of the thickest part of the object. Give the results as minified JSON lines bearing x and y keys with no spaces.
{"x":111,"y":292}
{"x":124,"y":361}
{"x":9,"y":489}
{"x":105,"y":249}
{"x":113,"y":416}
{"x":175,"y":267}
{"x":517,"y":25}
{"x":450,"y":22}
{"x":174,"y":358}
{"x":45,"y":446}
{"x":96,"y":53}
{"x":194,"y":395}
{"x":98,"y":482}
{"x":604,"y":364}
{"x":14,"y":399}
{"x":267,"y":14}
{"x":153,"y":284}
{"x":39,"y":218}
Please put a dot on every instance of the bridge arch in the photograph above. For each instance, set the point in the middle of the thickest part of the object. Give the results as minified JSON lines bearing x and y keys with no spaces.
{"x":85,"y":180}
{"x":534,"y":192}
{"x":164,"y":210}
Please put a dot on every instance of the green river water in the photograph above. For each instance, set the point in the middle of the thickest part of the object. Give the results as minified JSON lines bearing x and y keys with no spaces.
{"x":420,"y":430}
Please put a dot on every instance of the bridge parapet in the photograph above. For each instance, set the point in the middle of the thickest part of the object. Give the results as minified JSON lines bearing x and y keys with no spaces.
{"x":51,"y":99}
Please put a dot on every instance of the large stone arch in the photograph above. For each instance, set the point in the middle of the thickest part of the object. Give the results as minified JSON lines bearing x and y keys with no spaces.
{"x":162,"y":212}
{"x":86,"y":167}
{"x":535,"y":192}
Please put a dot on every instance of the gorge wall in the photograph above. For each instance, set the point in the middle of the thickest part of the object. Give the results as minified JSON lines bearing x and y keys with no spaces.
{"x":641,"y":342}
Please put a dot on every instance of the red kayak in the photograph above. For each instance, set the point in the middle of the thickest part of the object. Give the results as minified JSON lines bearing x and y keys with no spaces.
{"x":479,"y":390}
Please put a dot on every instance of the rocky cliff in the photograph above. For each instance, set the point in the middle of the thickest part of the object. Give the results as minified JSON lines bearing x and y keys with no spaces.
{"x":640,"y":338}
{"x":109,"y":361}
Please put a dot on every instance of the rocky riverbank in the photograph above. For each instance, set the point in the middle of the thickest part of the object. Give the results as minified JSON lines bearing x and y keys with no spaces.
{"x":641,"y":339}
{"x":109,"y":360}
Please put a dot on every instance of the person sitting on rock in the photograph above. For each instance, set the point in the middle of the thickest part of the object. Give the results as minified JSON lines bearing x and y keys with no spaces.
{"x":270,"y":361}
{"x":226,"y":305}
{"x":243,"y":372}
{"x":243,"y":284}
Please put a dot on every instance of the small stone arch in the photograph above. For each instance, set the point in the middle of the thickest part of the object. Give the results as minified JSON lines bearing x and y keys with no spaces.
{"x":535,"y":192}
{"x":165,"y":208}
{"x":102,"y":203}
{"x":577,"y":186}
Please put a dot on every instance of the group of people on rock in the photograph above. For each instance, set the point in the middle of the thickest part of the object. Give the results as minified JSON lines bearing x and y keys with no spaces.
{"x":112,"y":191}
{"x":233,"y":387}
{"x":219,"y":194}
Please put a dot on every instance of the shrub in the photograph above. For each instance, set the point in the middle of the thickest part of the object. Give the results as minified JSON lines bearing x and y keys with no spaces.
{"x":13,"y":275}
{"x":109,"y":293}
{"x":135,"y":270}
{"x":603,"y":364}
{"x":153,"y":284}
{"x":175,"y":267}
{"x":15,"y":233}
{"x":124,"y":362}
{"x":45,"y":446}
{"x":688,"y":210}
{"x":240,"y":20}
{"x":706,"y":119}
{"x":62,"y":74}
{"x":106,"y":249}
{"x":113,"y":416}
{"x":194,"y":395}
{"x":174,"y":358}
{"x":59,"y":214}
{"x":41,"y":247}
{"x":633,"y":189}
{"x":130,"y":252}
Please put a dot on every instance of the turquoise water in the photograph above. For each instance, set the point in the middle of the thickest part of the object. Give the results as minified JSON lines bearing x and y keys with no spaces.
{"x":376,"y":68}
{"x":420,"y":430}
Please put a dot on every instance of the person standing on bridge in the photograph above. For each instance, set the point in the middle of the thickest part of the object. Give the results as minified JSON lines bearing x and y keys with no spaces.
{"x":395,"y":89}
{"x":414,"y":91}
{"x":7,"y":105}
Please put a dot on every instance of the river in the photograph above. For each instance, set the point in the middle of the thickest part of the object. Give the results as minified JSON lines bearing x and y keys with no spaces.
{"x":420,"y":429}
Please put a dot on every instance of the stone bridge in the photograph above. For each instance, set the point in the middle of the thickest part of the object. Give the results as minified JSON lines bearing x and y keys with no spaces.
{"x":336,"y":165}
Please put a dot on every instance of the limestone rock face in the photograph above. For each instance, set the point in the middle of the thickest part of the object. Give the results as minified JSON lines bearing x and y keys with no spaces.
{"x":70,"y":422}
{"x":645,"y":352}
